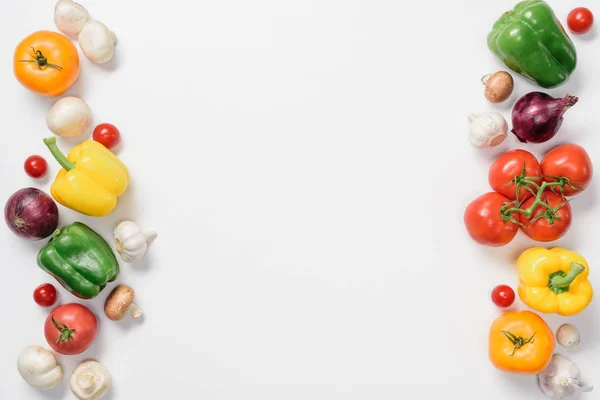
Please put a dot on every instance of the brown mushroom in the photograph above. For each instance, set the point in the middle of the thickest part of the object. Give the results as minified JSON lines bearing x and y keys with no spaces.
{"x":498,"y":86}
{"x":120,"y":302}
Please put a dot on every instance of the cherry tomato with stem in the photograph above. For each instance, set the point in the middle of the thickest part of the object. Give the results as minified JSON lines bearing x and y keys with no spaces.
{"x":572,"y":162}
{"x":508,"y":168}
{"x":45,"y":295}
{"x":485,"y":223}
{"x":107,"y":134}
{"x":36,"y":166}
{"x":580,"y":20}
{"x":546,"y":224}
{"x":503,"y":296}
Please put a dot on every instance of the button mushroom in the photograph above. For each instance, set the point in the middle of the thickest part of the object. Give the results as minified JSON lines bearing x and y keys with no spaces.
{"x":39,"y":368}
{"x":90,"y":381}
{"x":120,"y":302}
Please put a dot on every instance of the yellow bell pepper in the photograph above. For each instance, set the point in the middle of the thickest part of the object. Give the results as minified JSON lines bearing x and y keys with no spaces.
{"x":90,"y":180}
{"x":554,"y":281}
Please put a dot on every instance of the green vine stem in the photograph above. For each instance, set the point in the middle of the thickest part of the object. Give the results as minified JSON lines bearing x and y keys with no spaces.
{"x":66,"y":334}
{"x":41,"y":61}
{"x":530,"y":184}
{"x":518,"y":342}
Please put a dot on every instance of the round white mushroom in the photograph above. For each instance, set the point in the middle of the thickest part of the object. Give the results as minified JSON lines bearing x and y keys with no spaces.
{"x":69,"y":116}
{"x":97,"y":42}
{"x":70,"y":17}
{"x":90,"y":381}
{"x":39,"y":368}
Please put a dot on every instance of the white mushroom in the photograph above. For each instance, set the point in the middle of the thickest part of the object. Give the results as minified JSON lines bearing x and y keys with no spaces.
{"x":69,"y":116}
{"x":97,"y":42}
{"x":120,"y":302}
{"x":90,"y":381}
{"x":39,"y":368}
{"x":70,"y":17}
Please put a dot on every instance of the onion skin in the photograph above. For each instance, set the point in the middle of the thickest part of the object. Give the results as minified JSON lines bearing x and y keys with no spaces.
{"x":538,"y":116}
{"x":31,"y":214}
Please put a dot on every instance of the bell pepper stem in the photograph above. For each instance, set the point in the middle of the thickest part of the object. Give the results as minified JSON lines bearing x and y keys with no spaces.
{"x":58,"y":155}
{"x":564,"y":281}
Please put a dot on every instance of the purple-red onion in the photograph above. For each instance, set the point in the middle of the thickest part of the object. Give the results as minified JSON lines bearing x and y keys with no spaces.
{"x":31,"y":214}
{"x":537,"y":116}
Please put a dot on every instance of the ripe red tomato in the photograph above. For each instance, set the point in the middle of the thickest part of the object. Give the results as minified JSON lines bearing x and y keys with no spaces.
{"x":507,"y":167}
{"x":541,"y":229}
{"x":44,"y":295}
{"x":107,"y":134}
{"x":70,"y":328}
{"x":571,"y":161}
{"x":484,"y":222}
{"x":580,"y":20}
{"x":36,"y":166}
{"x":503,"y":296}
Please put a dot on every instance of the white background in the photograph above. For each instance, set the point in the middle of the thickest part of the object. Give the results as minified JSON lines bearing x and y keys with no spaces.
{"x":306,"y":165}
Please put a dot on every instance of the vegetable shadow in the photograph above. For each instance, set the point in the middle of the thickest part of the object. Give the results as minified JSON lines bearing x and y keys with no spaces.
{"x":591,"y":35}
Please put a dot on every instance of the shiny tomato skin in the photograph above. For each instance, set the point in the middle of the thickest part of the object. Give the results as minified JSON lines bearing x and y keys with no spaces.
{"x":580,"y":20}
{"x":75,"y":317}
{"x":571,"y":161}
{"x":107,"y":134}
{"x":45,"y":295}
{"x":484,"y":222}
{"x":503,"y":296}
{"x":507,"y":167}
{"x":541,"y":230}
{"x":35,"y":166}
{"x":58,"y":50}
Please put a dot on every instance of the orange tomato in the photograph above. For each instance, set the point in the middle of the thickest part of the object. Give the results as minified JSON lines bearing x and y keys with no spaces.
{"x":46,"y":63}
{"x":521,"y":342}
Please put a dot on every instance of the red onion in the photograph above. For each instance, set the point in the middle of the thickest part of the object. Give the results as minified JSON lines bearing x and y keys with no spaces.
{"x":537,"y":116}
{"x":31,"y":214}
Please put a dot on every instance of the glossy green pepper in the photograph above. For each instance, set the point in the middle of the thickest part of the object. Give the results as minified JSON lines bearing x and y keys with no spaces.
{"x":532,"y":42}
{"x":80,"y":260}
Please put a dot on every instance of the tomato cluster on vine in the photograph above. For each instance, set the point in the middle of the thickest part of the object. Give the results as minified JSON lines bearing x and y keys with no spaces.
{"x":529,"y":195}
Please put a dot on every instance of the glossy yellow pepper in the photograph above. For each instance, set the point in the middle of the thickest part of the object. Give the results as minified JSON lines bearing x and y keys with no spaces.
{"x":554,"y":281}
{"x":90,"y":180}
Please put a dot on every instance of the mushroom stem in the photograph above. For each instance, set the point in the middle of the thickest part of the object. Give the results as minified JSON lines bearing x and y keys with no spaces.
{"x":486,"y":78}
{"x":86,"y":381}
{"x":135,"y":311}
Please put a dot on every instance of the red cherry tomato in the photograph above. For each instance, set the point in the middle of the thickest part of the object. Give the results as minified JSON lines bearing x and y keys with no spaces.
{"x":45,"y":295}
{"x":569,"y":161}
{"x":484,"y":222}
{"x":580,"y":20}
{"x":36,"y":166}
{"x":71,"y":328}
{"x":510,"y":165}
{"x":542,"y":229}
{"x":107,"y":134}
{"x":503,"y":296}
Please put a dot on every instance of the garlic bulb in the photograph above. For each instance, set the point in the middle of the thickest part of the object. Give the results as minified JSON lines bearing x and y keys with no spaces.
{"x":560,"y":380}
{"x":131,"y":241}
{"x":487,"y":130}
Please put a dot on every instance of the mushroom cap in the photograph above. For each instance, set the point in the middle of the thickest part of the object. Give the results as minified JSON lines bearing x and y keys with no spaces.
{"x":118,"y":302}
{"x":89,"y":381}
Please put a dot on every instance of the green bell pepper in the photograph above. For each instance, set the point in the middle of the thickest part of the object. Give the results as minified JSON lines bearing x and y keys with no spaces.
{"x":532,"y":42}
{"x":80,"y":260}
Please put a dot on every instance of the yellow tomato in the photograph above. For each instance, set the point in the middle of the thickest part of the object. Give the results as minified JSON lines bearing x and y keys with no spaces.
{"x":46,"y":63}
{"x":521,"y":342}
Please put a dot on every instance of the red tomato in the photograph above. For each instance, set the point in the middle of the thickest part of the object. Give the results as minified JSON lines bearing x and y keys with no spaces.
{"x":510,"y":165}
{"x":484,"y":222}
{"x":36,"y":166}
{"x":570,"y":161}
{"x":107,"y":134}
{"x":45,"y":295}
{"x":580,"y":20}
{"x":503,"y":296}
{"x":541,"y":229}
{"x":71,"y":328}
